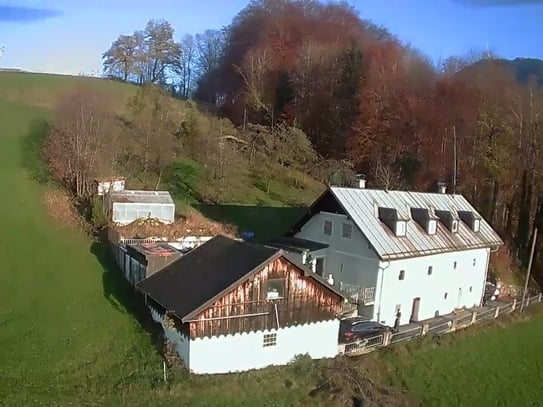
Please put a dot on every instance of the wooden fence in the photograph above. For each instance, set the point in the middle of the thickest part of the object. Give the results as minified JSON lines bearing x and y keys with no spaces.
{"x":439,"y":326}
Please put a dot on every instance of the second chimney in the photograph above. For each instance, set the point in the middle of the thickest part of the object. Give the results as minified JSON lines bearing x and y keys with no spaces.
{"x":360,"y":181}
{"x":441,"y":188}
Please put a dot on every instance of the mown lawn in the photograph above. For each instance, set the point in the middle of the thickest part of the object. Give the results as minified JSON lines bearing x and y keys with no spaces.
{"x":496,"y":365}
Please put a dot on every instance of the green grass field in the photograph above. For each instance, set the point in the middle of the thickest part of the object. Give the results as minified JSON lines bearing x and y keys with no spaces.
{"x":493,"y":366}
{"x":69,"y":333}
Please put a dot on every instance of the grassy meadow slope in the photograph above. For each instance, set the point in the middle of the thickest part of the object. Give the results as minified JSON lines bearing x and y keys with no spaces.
{"x":69,"y":334}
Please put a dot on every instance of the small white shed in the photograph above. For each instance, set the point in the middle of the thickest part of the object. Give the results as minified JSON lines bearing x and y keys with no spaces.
{"x":129,"y":205}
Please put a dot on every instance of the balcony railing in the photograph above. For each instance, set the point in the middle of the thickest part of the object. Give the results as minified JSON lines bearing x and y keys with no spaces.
{"x":359,"y":295}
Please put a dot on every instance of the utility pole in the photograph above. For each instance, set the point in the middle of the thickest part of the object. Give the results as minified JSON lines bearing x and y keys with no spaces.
{"x":454,"y":159}
{"x":528,"y":271}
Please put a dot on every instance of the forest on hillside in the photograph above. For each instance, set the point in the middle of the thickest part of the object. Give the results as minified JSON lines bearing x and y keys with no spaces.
{"x":315,"y":87}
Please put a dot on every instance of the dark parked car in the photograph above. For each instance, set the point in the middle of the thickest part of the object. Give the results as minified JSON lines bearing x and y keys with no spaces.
{"x":356,"y":329}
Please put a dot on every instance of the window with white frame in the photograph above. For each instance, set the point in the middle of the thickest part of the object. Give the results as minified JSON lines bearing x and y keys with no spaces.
{"x":347,"y":231}
{"x":269,"y":340}
{"x":275,"y":288}
{"x":328,"y":227}
{"x":454,"y":226}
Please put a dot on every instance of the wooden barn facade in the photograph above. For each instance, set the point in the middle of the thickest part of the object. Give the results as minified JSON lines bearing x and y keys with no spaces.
{"x":233,"y":306}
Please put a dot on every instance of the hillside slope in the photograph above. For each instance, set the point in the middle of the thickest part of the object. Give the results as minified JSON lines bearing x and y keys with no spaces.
{"x":188,"y":180}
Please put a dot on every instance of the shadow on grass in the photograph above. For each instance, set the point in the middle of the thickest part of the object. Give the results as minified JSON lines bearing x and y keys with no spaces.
{"x":32,"y":158}
{"x":121,"y":295}
{"x":265,"y":222}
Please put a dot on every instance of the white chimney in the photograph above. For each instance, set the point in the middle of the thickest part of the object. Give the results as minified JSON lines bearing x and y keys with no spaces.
{"x":441,"y":188}
{"x":361,"y":181}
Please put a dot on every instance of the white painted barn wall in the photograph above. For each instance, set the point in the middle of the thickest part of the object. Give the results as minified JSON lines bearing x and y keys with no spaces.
{"x":350,"y":261}
{"x":241,"y":352}
{"x":432,"y":288}
{"x":180,"y":341}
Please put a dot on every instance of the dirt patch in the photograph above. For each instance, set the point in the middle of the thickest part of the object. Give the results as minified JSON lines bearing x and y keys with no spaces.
{"x":63,"y":210}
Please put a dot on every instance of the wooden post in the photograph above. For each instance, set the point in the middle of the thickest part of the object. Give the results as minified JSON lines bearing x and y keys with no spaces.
{"x":164,"y":370}
{"x":425,"y":328}
{"x":387,"y":336}
{"x":514,"y":306}
{"x":497,"y":312}
{"x":473,"y":317}
{"x":540,"y":295}
{"x":529,"y":270}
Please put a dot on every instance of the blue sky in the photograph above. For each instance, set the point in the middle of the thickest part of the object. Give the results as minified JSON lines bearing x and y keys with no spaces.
{"x":69,"y":36}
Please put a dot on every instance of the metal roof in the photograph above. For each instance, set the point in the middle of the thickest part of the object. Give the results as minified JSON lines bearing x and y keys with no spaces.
{"x":136,"y":196}
{"x":362,"y":207}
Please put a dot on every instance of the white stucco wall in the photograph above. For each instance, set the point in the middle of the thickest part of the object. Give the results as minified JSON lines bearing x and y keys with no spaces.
{"x":241,"y":352}
{"x":350,"y":261}
{"x":180,"y":341}
{"x":431,"y":289}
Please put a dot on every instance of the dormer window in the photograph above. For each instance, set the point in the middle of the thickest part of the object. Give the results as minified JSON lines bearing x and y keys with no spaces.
{"x":454,"y":226}
{"x":426,"y":219}
{"x":396,"y":223}
{"x":471,"y":219}
{"x":432,"y":227}
{"x":401,"y":227}
{"x":449,"y":220}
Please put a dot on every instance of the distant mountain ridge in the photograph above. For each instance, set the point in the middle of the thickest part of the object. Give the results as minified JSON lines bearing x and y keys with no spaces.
{"x":523,"y":69}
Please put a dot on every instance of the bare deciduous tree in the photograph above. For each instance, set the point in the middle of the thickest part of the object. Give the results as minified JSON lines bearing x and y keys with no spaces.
{"x":81,"y":143}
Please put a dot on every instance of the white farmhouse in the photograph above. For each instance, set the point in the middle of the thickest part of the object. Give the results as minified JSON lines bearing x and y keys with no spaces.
{"x":424,"y":254}
{"x":232,"y":306}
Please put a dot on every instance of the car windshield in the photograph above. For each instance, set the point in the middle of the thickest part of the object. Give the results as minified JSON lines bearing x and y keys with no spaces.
{"x":366,"y":326}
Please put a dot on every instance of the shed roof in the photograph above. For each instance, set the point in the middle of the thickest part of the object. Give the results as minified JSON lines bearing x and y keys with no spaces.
{"x":296,"y":244}
{"x":361,"y":204}
{"x":137,"y":196}
{"x":193,"y":282}
{"x":157,"y":249}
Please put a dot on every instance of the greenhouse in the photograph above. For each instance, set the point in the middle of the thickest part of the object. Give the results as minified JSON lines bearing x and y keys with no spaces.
{"x":129,"y":205}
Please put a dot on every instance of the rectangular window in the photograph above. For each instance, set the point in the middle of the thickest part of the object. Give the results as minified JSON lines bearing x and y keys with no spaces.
{"x":328,"y":228}
{"x":454,"y":265}
{"x":430,"y":269}
{"x":269,"y":340}
{"x":319,"y":266}
{"x":402,"y":275}
{"x":454,"y":226}
{"x":347,"y":231}
{"x":275,"y":288}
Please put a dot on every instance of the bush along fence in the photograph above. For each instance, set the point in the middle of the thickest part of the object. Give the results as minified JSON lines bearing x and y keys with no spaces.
{"x":438,"y":326}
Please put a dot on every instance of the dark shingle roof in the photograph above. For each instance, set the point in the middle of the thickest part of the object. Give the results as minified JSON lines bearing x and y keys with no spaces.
{"x":193,"y":282}
{"x":296,"y":244}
